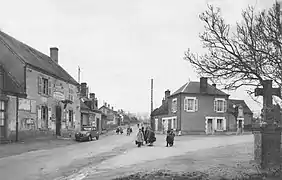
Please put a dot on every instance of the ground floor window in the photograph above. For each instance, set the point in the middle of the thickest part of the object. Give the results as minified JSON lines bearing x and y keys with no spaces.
{"x":2,"y":113}
{"x":219,"y":124}
{"x":44,"y":116}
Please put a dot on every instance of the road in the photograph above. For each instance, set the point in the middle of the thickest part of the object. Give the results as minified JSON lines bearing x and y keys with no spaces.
{"x":90,"y":160}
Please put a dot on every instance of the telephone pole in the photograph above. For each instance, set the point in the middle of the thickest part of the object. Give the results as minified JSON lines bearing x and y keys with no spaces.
{"x":152,"y":86}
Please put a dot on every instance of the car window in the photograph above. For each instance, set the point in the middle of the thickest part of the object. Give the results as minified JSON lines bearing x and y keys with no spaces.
{"x":87,"y":128}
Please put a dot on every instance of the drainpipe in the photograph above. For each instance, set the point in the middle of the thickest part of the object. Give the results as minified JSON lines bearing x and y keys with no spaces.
{"x":17,"y":118}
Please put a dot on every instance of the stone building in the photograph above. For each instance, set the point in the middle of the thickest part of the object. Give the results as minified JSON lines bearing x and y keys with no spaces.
{"x":51,"y":105}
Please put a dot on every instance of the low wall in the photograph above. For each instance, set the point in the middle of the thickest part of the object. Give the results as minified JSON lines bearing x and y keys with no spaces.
{"x":31,"y":134}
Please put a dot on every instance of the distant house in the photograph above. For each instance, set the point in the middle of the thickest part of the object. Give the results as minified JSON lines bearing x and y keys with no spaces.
{"x":198,"y":107}
{"x":90,"y":115}
{"x":111,"y":116}
{"x":50,"y":102}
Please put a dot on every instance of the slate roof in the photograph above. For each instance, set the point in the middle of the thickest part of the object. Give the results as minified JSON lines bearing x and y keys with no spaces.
{"x":14,"y":55}
{"x":11,"y":87}
{"x":193,"y":87}
{"x":237,"y":102}
{"x":83,"y":106}
{"x":162,"y":110}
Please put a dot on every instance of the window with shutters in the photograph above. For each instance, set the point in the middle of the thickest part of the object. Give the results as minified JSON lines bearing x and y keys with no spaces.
{"x":191,"y":104}
{"x":220,"y":105}
{"x":44,"y":86}
{"x":2,"y":113}
{"x":174,"y":105}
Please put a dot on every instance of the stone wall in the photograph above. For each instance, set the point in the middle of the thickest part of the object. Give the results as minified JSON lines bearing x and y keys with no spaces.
{"x":29,"y":118}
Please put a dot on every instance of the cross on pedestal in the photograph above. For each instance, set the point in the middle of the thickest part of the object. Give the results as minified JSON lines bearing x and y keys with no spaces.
{"x":267,"y":138}
{"x":267,"y":92}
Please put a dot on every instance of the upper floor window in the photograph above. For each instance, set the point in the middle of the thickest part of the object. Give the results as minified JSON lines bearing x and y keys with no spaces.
{"x":71,"y":93}
{"x":44,"y":86}
{"x":220,"y":105}
{"x":191,"y":104}
{"x":174,"y":105}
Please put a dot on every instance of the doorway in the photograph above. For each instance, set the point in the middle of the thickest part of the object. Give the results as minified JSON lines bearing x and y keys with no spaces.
{"x":169,"y":124}
{"x":58,"y":120}
{"x":210,"y":126}
{"x":2,"y":120}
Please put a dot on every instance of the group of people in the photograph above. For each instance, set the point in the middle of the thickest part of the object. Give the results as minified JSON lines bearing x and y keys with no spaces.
{"x":145,"y":135}
{"x":119,"y":130}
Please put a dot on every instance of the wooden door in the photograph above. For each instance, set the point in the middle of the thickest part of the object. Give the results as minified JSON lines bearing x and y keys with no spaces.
{"x":58,"y":120}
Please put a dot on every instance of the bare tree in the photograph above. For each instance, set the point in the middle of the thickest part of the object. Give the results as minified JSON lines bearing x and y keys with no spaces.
{"x":243,"y":57}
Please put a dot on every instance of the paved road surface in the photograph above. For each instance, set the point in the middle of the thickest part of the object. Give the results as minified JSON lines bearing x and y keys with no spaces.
{"x":88,"y":160}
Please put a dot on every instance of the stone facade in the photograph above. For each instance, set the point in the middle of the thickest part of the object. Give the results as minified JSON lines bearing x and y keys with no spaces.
{"x":37,"y":113}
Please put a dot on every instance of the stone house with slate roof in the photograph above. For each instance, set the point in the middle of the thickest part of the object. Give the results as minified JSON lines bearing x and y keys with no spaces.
{"x":198,"y":108}
{"x":46,"y":99}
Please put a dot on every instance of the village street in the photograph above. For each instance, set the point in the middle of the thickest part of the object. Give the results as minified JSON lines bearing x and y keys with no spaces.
{"x":105,"y":158}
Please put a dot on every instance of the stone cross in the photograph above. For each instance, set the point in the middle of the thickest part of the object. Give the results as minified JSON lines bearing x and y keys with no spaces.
{"x":267,"y":92}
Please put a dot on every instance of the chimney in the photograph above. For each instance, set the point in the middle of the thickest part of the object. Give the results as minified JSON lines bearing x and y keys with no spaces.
{"x":167,"y":93}
{"x":1,"y":79}
{"x":109,"y":106}
{"x":54,"y":54}
{"x":112,"y":108}
{"x":203,"y":84}
{"x":92,"y":96}
{"x":96,"y":103}
{"x":83,"y":89}
{"x":105,"y":104}
{"x":214,"y":85}
{"x":163,"y":101}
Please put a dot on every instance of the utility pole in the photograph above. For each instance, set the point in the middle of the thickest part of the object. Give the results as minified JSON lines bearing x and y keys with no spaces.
{"x":152,"y":86}
{"x":78,"y":74}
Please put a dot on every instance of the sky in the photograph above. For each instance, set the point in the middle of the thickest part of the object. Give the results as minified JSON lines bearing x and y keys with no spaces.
{"x":121,"y":45}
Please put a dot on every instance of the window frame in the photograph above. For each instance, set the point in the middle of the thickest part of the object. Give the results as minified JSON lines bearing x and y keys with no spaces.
{"x":216,"y":105}
{"x":2,"y":111}
{"x":186,"y":105}
{"x":174,"y":105}
{"x":43,"y":86}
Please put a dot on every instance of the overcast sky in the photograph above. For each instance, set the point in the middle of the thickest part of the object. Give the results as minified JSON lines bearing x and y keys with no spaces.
{"x":120,"y":44}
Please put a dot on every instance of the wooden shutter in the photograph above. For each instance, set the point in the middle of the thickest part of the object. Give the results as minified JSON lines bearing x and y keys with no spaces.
{"x":185,"y":104}
{"x":49,"y":87}
{"x":49,"y":117}
{"x":67,"y":116}
{"x":215,"y":105}
{"x":40,"y":85}
{"x":196,"y":104}
{"x":224,"y":124}
{"x":224,"y":106}
{"x":39,"y":117}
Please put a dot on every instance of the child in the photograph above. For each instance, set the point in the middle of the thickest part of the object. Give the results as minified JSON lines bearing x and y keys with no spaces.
{"x":170,"y":138}
{"x":139,"y":138}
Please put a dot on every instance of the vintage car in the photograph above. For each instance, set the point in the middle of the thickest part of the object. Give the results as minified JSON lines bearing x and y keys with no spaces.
{"x":87,"y":133}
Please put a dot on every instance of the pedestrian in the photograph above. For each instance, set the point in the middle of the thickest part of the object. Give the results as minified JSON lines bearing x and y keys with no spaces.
{"x":239,"y":129}
{"x":146,"y":134}
{"x":139,"y":138}
{"x":120,"y":130}
{"x":170,"y":138}
{"x":142,"y":129}
{"x":117,"y":131}
{"x":151,"y":137}
{"x":128,"y":131}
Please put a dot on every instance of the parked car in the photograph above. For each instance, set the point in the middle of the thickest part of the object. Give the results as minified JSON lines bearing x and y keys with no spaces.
{"x":87,"y":133}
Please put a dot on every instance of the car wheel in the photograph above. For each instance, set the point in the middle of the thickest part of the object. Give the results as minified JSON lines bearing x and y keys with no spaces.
{"x":89,"y":138}
{"x":97,"y":137}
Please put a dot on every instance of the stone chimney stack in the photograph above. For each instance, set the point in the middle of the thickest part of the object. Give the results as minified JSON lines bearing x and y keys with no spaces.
{"x":105,"y":104}
{"x":109,"y":106}
{"x":167,"y":93}
{"x":54,"y":54}
{"x":1,"y":79}
{"x":203,"y":84}
{"x":163,"y":101}
{"x":83,"y":89}
{"x":96,"y":103}
{"x":92,"y":98}
{"x":112,"y":108}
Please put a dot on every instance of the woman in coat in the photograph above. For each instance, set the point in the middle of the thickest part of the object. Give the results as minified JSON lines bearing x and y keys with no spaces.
{"x":139,"y":138}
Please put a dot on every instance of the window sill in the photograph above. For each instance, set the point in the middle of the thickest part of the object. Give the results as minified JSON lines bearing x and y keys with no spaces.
{"x":190,"y":110}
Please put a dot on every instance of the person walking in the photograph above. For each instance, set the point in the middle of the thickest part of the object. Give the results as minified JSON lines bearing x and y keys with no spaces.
{"x":146,"y":134}
{"x":142,"y":129}
{"x":139,"y":138}
{"x":151,"y":137}
{"x":170,"y":138}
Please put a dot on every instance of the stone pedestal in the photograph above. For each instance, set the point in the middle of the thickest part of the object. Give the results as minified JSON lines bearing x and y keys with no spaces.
{"x":267,"y":145}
